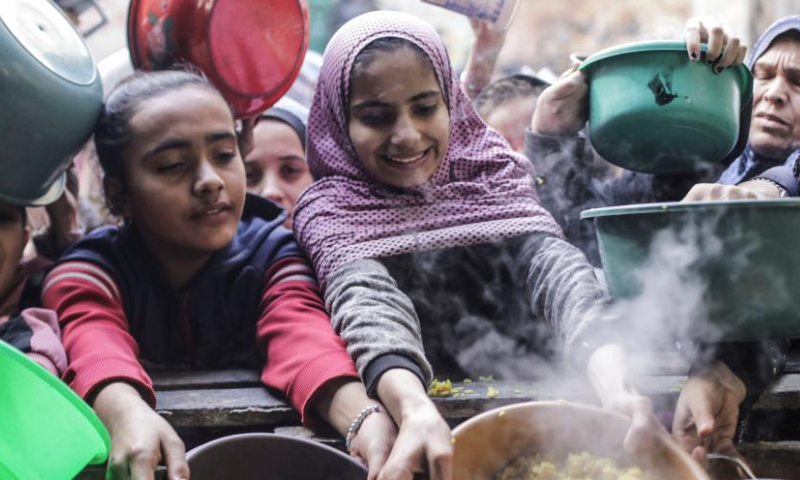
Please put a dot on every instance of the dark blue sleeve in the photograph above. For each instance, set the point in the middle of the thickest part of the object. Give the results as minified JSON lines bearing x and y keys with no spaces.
{"x":783,"y":176}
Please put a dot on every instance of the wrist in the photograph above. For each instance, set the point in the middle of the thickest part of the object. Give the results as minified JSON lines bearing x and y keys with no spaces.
{"x":116,"y":399}
{"x":402,"y":393}
{"x":765,"y":188}
{"x":358,"y":422}
{"x":609,"y":373}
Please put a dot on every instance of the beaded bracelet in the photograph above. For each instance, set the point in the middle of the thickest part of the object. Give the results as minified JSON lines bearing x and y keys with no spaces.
{"x":356,"y":425}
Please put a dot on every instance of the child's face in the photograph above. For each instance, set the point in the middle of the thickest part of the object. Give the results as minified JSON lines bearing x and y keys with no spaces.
{"x":511,"y":118}
{"x":185,"y":178}
{"x":276,"y":168}
{"x":399,"y":123}
{"x":13,"y":237}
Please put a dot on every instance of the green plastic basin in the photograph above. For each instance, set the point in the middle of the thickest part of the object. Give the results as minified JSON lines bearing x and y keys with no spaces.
{"x":709,"y":270}
{"x":653,"y":110}
{"x":48,"y":432}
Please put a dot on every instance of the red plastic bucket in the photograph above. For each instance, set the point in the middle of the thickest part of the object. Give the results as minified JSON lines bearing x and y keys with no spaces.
{"x":252,"y":50}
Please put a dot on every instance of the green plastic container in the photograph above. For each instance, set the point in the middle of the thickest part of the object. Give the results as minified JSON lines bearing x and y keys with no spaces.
{"x":739,"y":257}
{"x":46,"y":431}
{"x":653,"y":110}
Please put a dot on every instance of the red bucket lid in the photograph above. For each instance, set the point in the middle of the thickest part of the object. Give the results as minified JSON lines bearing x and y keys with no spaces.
{"x":252,"y":50}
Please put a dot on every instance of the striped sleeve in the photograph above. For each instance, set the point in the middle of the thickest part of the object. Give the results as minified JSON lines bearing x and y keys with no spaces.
{"x":294,"y":333}
{"x":94,"y":328}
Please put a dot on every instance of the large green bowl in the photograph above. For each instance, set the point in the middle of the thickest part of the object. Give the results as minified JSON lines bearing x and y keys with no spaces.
{"x":46,"y":431}
{"x":705,"y":270}
{"x":653,"y":110}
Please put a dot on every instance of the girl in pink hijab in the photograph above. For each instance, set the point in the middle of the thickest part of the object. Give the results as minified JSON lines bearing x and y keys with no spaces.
{"x":429,"y":241}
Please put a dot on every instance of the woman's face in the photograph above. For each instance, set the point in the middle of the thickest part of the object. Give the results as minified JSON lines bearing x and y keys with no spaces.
{"x":276,"y":168}
{"x":775,"y":129}
{"x":398,"y":120}
{"x":185,"y":180}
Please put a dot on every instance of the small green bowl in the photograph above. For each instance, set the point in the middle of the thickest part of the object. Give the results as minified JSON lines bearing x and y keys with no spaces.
{"x":653,"y":110}
{"x":711,"y":270}
{"x":48,"y":432}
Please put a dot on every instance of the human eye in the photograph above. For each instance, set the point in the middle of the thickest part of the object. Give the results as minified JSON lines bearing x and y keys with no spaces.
{"x":762,"y":73}
{"x":254,"y":175}
{"x":291,"y":172}
{"x":374,"y":120}
{"x":426,"y":110}
{"x":375,"y":116}
{"x":170,"y":165}
{"x":8,"y":218}
{"x":225,"y":156}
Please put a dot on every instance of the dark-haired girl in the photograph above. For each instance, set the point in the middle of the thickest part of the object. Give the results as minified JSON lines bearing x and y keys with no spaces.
{"x":429,"y":241}
{"x":199,"y":275}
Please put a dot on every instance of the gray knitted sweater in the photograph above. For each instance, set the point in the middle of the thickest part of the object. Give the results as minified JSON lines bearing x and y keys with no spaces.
{"x":500,"y":309}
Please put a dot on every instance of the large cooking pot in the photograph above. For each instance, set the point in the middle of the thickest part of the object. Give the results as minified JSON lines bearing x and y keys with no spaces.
{"x":50,"y":100}
{"x":251,"y":50}
{"x":653,"y":110}
{"x":488,"y":442}
{"x":265,"y":456}
{"x":725,"y":270}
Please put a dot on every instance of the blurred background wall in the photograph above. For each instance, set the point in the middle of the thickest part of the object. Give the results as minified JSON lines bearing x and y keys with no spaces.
{"x":544,"y":34}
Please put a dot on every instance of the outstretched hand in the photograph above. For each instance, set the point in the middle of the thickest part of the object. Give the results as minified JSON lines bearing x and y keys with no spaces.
{"x":423,"y":445}
{"x":373,"y":442}
{"x":708,"y":411}
{"x":140,"y":438}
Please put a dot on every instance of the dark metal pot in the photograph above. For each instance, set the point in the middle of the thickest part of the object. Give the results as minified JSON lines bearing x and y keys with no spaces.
{"x":265,"y":456}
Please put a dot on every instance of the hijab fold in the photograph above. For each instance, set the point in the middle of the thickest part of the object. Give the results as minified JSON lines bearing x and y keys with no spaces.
{"x":481,"y":192}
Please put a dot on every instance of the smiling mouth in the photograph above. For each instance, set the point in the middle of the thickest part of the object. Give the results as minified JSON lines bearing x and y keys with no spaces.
{"x":407,"y":160}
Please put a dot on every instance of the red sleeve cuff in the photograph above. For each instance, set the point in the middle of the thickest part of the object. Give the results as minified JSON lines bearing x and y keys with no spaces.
{"x":92,"y":375}
{"x":314,"y":376}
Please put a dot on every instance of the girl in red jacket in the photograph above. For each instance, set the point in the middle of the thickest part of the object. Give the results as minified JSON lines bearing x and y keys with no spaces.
{"x":199,"y":275}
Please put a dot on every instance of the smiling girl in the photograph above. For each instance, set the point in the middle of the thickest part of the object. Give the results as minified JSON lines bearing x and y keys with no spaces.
{"x":199,"y":275}
{"x":428,"y":238}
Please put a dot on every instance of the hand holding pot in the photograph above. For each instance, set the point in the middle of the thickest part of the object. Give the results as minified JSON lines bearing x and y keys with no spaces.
{"x":140,"y":438}
{"x":725,"y":49}
{"x":751,"y":190}
{"x":707,"y":412}
{"x":563,"y":108}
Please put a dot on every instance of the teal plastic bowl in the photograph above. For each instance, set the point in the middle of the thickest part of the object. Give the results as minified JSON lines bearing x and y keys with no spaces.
{"x":50,"y":99}
{"x":653,"y":110}
{"x":48,"y":432}
{"x":712,"y":270}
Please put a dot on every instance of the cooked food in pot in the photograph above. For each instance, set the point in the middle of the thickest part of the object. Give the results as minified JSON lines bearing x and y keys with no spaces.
{"x":577,"y":466}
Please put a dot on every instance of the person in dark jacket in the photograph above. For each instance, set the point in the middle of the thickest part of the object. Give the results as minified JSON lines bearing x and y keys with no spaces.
{"x":200,"y":275}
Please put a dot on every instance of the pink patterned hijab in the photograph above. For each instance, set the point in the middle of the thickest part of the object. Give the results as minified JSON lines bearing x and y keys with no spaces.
{"x":482,"y":192}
